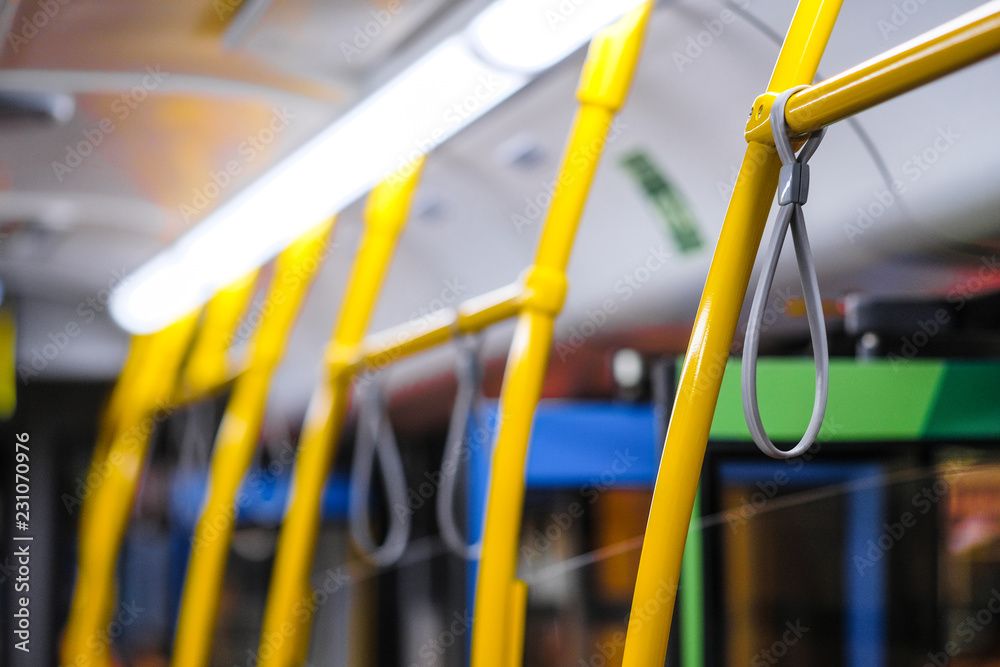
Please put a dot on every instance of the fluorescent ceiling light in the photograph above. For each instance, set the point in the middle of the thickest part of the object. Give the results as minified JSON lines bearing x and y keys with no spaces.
{"x":425,"y":105}
{"x":533,"y":35}
{"x":446,"y":90}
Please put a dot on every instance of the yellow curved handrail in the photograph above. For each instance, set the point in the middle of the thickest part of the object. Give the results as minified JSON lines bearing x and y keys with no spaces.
{"x":148,"y":382}
{"x":236,"y":443}
{"x":287,"y":616}
{"x":497,"y":630}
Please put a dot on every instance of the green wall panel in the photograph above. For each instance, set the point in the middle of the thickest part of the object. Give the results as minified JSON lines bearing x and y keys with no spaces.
{"x":873,"y":400}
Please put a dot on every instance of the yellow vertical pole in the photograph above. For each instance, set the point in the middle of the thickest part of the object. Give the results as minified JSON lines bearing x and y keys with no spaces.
{"x":111,"y":420}
{"x":500,"y":598}
{"x":207,"y":367}
{"x":235,"y":445}
{"x":8,"y":362}
{"x":124,"y":386}
{"x":86,"y":640}
{"x":287,"y":617}
{"x":711,"y":339}
{"x":205,"y":370}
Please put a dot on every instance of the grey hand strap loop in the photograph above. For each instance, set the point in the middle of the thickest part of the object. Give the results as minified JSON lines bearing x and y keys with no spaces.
{"x":375,"y":438}
{"x":469,"y":374}
{"x":793,"y":191}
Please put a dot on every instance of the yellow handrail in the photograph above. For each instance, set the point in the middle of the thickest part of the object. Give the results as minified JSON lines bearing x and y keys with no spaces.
{"x":208,"y":366}
{"x":236,"y":443}
{"x":962,"y":42}
{"x":959,"y":43}
{"x":538,"y":298}
{"x":207,"y":357}
{"x":711,"y":338}
{"x":287,"y":616}
{"x":500,"y":598}
{"x":437,"y":328}
{"x":112,"y":486}
{"x":111,"y":420}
